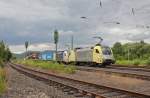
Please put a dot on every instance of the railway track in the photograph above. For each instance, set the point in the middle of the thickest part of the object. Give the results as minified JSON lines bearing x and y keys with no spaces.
{"x":128,"y":68}
{"x":120,"y":71}
{"x":79,"y":89}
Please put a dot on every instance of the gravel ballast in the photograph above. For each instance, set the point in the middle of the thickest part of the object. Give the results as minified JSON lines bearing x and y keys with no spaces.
{"x":21,"y":86}
{"x":114,"y":81}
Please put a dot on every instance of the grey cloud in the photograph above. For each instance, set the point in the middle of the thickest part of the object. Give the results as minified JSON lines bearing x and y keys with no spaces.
{"x":35,"y":20}
{"x":141,"y":36}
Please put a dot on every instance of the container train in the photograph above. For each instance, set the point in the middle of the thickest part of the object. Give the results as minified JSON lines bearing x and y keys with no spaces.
{"x":97,"y":55}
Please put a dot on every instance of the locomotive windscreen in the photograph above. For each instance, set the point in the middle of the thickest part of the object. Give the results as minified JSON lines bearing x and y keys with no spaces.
{"x":106,"y":51}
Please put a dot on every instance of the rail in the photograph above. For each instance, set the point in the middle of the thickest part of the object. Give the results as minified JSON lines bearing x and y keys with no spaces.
{"x":77,"y":87}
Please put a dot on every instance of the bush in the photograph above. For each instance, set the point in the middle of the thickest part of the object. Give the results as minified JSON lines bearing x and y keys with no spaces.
{"x":124,"y":62}
{"x":2,"y":80}
{"x":1,"y":63}
{"x":136,"y":62}
{"x":70,"y":69}
{"x":148,"y":62}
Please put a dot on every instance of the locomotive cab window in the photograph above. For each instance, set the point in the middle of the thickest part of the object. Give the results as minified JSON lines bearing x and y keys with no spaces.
{"x":65,"y":54}
{"x":69,"y":53}
{"x":97,"y":51}
{"x":106,"y":51}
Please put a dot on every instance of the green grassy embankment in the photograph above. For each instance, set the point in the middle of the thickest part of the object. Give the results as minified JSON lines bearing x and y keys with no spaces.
{"x":53,"y":66}
{"x":2,"y":79}
{"x":134,"y":63}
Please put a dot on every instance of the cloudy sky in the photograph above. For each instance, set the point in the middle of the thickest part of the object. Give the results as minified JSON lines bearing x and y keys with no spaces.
{"x":35,"y":21}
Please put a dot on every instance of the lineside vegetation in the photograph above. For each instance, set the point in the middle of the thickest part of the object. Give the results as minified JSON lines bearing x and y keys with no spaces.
{"x":134,"y":63}
{"x":53,"y":66}
{"x":2,"y":80}
{"x":5,"y":56}
{"x":137,"y":54}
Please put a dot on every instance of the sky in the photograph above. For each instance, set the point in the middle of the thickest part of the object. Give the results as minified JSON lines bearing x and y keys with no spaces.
{"x":36,"y":20}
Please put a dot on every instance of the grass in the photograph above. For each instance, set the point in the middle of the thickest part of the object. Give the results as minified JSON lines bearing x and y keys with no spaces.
{"x":53,"y":66}
{"x":2,"y":80}
{"x":134,"y":63}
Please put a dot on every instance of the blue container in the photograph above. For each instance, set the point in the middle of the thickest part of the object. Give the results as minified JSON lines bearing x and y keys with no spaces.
{"x":47,"y":55}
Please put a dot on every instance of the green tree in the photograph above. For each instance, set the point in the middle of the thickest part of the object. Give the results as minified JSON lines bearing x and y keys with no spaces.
{"x":137,"y":50}
{"x":2,"y":49}
{"x":5,"y":54}
{"x":8,"y":54}
{"x":118,"y":50}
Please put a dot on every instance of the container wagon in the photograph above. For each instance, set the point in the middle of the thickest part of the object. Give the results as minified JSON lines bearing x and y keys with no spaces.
{"x":47,"y":55}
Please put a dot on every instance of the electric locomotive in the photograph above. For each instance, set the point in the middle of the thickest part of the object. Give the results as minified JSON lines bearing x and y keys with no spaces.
{"x":97,"y":55}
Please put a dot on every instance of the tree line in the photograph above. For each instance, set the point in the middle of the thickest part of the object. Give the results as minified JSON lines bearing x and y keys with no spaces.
{"x":5,"y":53}
{"x":131,"y":51}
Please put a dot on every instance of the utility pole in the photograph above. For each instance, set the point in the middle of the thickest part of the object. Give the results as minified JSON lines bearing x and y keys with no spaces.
{"x":26,"y":46}
{"x":72,"y":42}
{"x":128,"y":54}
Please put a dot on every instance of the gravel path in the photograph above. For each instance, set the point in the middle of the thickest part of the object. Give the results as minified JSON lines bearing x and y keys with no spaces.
{"x":21,"y":86}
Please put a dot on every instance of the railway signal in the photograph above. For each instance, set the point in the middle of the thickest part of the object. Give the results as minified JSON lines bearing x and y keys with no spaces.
{"x":56,"y":37}
{"x":147,"y":27}
{"x":100,"y":3}
{"x":117,"y":22}
{"x":133,"y":11}
{"x":113,"y":22}
{"x":83,"y":17}
{"x":143,"y":26}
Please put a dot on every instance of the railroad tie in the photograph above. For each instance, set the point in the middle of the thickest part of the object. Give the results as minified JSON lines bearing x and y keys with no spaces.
{"x":78,"y":95}
{"x":71,"y":92}
{"x":66,"y":89}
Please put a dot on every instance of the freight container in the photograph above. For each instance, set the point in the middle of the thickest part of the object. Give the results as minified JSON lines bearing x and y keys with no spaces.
{"x":47,"y":55}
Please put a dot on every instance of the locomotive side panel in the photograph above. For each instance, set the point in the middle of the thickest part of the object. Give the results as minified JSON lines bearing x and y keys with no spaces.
{"x":84,"y":55}
{"x":72,"y":56}
{"x":97,"y":55}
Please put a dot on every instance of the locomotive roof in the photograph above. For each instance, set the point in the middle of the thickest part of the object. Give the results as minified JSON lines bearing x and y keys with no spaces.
{"x":83,"y":48}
